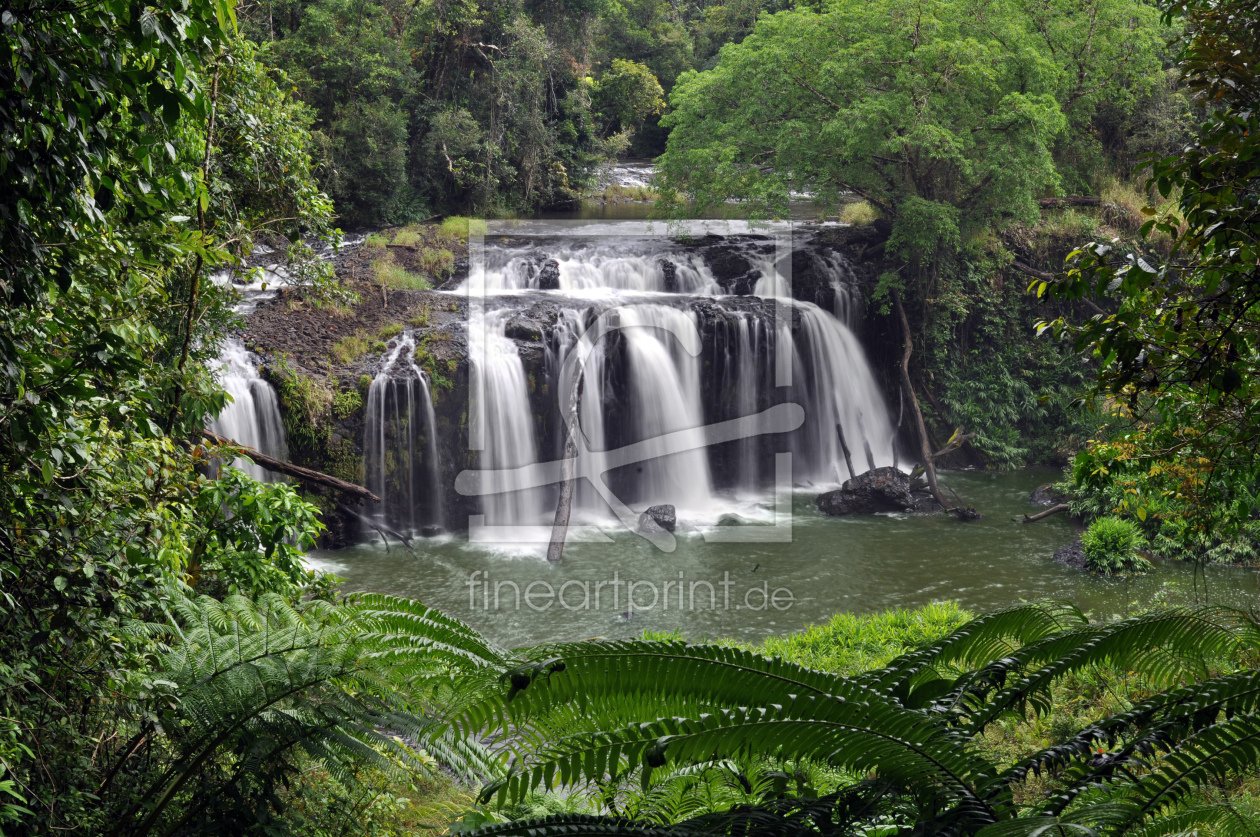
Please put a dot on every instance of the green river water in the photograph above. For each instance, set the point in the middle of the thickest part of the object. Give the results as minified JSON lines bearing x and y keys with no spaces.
{"x":858,"y":564}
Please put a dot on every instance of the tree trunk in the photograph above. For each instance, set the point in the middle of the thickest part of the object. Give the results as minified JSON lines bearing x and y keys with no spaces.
{"x":296,"y":471}
{"x":848,"y":460}
{"x":564,"y":506}
{"x":924,"y":446}
{"x":1071,"y":200}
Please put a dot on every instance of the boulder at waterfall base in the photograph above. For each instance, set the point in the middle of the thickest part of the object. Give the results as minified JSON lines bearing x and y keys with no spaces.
{"x":884,"y":489}
{"x":663,"y":516}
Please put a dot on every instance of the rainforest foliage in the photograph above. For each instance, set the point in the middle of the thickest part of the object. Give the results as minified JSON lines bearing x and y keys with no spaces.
{"x":167,"y":666}
{"x":480,"y":107}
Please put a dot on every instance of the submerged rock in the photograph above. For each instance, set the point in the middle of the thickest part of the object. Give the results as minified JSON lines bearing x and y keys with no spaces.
{"x":733,"y":520}
{"x":1047,"y":495}
{"x":1072,"y":555}
{"x":664,"y":516}
{"x":884,"y":489}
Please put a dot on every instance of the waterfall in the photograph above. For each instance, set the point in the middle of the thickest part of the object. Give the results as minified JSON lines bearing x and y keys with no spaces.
{"x":252,"y":419}
{"x":507,"y":422}
{"x":835,"y":385}
{"x":400,"y":446}
{"x":705,"y":333}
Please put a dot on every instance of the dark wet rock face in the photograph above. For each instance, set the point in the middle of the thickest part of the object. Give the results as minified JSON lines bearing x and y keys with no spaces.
{"x":663,"y":516}
{"x":671,"y":275}
{"x":549,"y":276}
{"x":1047,"y":495}
{"x":1072,"y":555}
{"x":884,"y":489}
{"x":648,"y":526}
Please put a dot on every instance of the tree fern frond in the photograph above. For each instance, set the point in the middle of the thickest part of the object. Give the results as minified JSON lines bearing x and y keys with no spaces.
{"x":1221,"y":819}
{"x":976,"y":643}
{"x":1189,"y":637}
{"x":594,"y":676}
{"x":863,"y":736}
{"x":1156,"y":723}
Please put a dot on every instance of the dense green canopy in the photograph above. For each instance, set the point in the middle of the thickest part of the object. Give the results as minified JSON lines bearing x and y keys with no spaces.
{"x":944,"y":112}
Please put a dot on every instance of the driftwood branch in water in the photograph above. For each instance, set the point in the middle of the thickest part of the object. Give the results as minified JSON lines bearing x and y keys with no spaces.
{"x":924,"y":447}
{"x":564,"y":506}
{"x":1033,"y":518}
{"x":381,"y":528}
{"x":296,"y":471}
{"x":1071,"y":200}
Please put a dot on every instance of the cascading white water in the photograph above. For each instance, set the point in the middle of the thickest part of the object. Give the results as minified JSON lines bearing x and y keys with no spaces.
{"x":400,"y":446}
{"x":836,"y":387}
{"x":252,"y":419}
{"x":640,"y":383}
{"x":508,"y":425}
{"x":620,"y":266}
{"x":664,"y":391}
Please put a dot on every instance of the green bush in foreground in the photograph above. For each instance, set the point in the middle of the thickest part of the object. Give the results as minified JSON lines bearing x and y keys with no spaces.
{"x":1111,"y":546}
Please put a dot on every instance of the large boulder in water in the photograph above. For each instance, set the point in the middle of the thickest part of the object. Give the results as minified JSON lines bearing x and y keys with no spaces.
{"x":1047,"y":495}
{"x":884,"y":489}
{"x":663,"y":516}
{"x":1073,"y":555}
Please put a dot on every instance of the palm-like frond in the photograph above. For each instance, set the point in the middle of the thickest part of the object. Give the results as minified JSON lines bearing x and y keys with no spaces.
{"x":605,"y":712}
{"x":261,"y":677}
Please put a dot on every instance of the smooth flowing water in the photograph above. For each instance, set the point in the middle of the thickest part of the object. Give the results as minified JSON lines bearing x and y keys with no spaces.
{"x":252,"y":419}
{"x":859,"y":564}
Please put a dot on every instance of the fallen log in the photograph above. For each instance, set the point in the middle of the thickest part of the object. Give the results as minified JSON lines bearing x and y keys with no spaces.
{"x":1033,"y":518}
{"x":295,"y":471}
{"x":1071,"y":200}
{"x":1043,"y":275}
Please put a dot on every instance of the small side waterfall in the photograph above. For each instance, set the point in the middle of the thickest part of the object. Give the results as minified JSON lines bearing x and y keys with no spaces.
{"x":400,"y":446}
{"x":836,"y":388}
{"x":252,"y":419}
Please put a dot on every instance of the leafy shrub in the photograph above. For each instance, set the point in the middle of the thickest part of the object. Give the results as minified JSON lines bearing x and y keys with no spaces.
{"x":1111,"y":545}
{"x":1109,"y":478}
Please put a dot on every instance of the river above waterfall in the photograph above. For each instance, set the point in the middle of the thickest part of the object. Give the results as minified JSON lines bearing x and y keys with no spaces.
{"x":831,"y":565}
